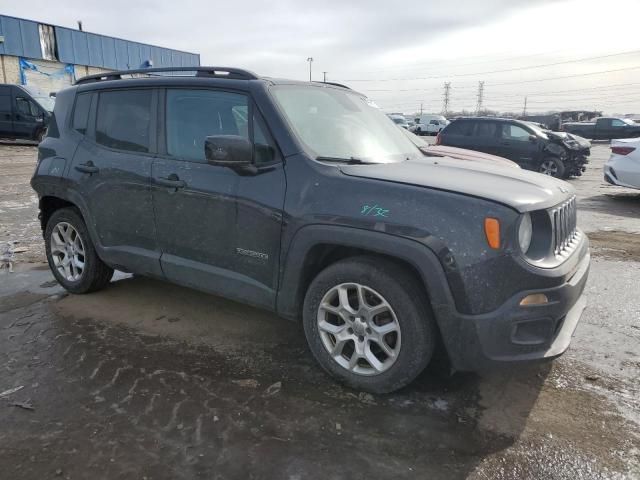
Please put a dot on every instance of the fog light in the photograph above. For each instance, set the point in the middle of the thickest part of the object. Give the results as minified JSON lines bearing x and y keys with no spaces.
{"x":534,"y":299}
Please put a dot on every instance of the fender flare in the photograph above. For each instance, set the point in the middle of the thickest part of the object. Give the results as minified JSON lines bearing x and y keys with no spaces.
{"x":419,"y":256}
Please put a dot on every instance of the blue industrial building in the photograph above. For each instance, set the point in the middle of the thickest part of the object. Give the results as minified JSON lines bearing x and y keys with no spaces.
{"x":51,"y":56}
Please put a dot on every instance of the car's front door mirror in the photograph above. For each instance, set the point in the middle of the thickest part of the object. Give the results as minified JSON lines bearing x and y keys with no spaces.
{"x":231,"y":151}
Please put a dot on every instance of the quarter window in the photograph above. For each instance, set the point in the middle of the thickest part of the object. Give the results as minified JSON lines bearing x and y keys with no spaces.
{"x":193,"y":115}
{"x":123,"y":120}
{"x":486,"y":129}
{"x":81,"y":113}
{"x":460,"y":128}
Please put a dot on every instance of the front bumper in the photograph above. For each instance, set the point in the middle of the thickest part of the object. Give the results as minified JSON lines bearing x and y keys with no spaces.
{"x":520,"y":333}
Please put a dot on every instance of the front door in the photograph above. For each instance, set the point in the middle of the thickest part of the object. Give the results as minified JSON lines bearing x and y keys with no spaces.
{"x":517,"y":144}
{"x":112,"y":167}
{"x":27,"y":118}
{"x":216,"y":229}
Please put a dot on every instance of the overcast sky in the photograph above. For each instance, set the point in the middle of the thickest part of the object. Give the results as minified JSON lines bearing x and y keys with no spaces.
{"x":398,"y":53}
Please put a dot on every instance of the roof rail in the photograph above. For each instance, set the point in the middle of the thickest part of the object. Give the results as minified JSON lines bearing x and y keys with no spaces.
{"x":215,"y":72}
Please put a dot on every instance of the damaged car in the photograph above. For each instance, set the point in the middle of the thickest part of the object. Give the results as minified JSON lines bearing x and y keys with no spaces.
{"x":559,"y":155}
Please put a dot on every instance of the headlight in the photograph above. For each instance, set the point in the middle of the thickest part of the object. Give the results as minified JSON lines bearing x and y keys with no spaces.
{"x":525,"y":232}
{"x":572,"y":144}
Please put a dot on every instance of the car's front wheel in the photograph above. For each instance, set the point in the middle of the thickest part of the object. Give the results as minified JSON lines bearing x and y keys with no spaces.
{"x":368,"y":324}
{"x":71,"y":254}
{"x":553,"y":167}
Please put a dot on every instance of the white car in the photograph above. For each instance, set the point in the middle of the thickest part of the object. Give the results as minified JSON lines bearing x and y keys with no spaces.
{"x":429,"y":124}
{"x":623,"y":166}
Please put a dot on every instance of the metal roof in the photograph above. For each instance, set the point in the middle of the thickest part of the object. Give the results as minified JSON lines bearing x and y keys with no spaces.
{"x":22,"y":39}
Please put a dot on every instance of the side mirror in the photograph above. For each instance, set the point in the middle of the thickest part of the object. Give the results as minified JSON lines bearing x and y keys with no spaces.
{"x":533,"y":138}
{"x":231,"y":151}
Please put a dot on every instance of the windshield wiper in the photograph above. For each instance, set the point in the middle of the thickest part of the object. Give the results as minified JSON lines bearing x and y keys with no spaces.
{"x":348,"y":161}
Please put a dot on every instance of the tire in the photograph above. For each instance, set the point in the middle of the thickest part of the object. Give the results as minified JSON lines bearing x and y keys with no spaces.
{"x":552,"y":166}
{"x":66,"y":236}
{"x":411,"y":342}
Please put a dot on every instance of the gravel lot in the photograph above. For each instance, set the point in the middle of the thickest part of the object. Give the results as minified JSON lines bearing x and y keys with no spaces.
{"x":150,"y":380}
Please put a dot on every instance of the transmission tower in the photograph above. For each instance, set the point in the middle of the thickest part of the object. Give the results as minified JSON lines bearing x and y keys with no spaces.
{"x":446,"y":98}
{"x":480,"y":97}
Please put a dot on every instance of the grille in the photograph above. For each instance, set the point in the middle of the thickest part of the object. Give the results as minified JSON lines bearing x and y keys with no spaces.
{"x":563,"y":220}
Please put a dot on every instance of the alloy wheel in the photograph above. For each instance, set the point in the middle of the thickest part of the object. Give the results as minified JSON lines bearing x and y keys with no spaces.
{"x":549,"y":167}
{"x":359,"y":329}
{"x":67,"y":251}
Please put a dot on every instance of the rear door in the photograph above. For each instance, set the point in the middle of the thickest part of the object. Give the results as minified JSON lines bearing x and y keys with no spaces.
{"x":516,"y":144}
{"x":112,"y":168}
{"x":6,"y":111}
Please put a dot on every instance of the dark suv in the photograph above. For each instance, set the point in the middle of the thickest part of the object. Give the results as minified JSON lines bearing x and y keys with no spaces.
{"x":558,"y":154}
{"x":304,"y":199}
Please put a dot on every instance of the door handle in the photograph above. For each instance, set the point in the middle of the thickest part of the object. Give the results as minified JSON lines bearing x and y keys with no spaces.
{"x":172,"y":181}
{"x":88,"y":167}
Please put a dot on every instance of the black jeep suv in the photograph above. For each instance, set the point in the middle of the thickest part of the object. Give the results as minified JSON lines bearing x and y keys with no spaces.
{"x":305,"y":199}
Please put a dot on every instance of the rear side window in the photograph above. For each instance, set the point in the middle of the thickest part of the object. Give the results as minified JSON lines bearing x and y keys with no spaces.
{"x":460,"y":128}
{"x":123,"y":120}
{"x":193,"y":115}
{"x":81,"y":113}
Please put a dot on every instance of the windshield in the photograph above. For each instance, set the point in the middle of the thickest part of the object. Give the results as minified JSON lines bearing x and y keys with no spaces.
{"x":628,"y":121}
{"x":340,"y":124}
{"x":536,"y":129}
{"x":44,"y":100}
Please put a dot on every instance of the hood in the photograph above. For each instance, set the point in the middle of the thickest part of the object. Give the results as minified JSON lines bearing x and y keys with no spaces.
{"x":464,"y":154}
{"x":562,"y":136}
{"x":519,"y":189}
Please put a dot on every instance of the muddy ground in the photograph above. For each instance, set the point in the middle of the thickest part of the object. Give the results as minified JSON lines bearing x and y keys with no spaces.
{"x":150,"y":380}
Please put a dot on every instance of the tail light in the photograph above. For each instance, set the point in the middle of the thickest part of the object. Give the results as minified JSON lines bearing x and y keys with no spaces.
{"x":438,"y":139}
{"x":622,"y":150}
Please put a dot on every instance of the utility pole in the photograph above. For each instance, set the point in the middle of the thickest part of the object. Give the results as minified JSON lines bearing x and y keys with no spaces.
{"x":80,"y":25}
{"x":480,"y":97}
{"x":445,"y":103}
{"x":324,"y":77}
{"x":524,"y":111}
{"x":310,"y":60}
{"x":421,"y":108}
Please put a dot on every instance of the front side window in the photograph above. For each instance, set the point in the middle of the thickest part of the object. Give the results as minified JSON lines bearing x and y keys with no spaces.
{"x":339,"y":124}
{"x":617,"y":123}
{"x":515,"y":133}
{"x":26,"y":107}
{"x":123,"y":120}
{"x":194,"y":115}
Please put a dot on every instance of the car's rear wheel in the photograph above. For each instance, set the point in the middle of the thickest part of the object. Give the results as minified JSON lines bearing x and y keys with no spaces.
{"x":553,"y":167}
{"x":369,"y":324}
{"x":71,"y":254}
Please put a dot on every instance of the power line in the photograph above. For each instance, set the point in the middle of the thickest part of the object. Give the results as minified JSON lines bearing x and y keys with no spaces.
{"x":515,"y":69}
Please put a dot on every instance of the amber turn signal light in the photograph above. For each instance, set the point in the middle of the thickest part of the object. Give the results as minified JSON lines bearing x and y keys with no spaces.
{"x":492,"y":231}
{"x":534,"y":299}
